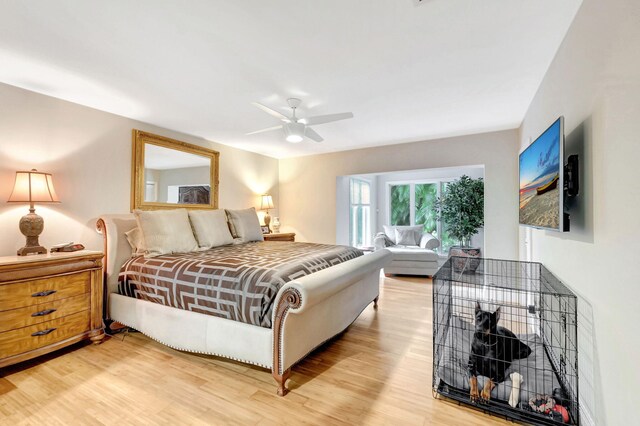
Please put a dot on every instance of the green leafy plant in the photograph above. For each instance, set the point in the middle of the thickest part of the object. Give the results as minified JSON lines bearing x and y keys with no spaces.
{"x":400,"y":214}
{"x":426,"y":195}
{"x":461,"y":208}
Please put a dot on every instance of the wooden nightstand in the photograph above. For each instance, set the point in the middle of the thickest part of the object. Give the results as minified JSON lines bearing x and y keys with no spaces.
{"x":48,"y":302}
{"x":287,"y":236}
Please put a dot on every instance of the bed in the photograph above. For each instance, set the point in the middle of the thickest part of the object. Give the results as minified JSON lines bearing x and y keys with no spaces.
{"x":280,"y":327}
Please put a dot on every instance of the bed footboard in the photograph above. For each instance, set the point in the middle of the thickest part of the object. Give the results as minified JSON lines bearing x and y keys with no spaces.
{"x":317,"y":307}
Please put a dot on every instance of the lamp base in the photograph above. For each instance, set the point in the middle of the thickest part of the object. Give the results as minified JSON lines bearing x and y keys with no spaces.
{"x":31,"y":226}
{"x":24,"y":251}
{"x":267,"y":221}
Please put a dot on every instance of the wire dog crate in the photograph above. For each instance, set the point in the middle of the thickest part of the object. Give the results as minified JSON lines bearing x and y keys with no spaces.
{"x":542,"y":386}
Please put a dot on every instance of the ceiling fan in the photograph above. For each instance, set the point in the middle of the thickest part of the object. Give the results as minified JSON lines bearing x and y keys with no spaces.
{"x":295,"y":129}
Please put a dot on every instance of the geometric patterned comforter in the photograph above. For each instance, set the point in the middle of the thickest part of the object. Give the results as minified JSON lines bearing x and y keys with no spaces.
{"x":237,"y":282}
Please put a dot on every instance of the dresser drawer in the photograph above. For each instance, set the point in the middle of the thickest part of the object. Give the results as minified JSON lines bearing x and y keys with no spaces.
{"x":31,"y":315}
{"x":35,"y":292}
{"x":23,"y":339}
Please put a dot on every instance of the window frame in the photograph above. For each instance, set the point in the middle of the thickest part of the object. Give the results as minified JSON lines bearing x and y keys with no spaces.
{"x":367,"y":232}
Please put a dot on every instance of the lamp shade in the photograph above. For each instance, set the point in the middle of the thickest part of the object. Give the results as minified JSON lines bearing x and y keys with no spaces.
{"x":33,"y":187}
{"x":266,"y":203}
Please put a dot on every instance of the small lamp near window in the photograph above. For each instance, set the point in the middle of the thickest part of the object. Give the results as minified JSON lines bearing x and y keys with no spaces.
{"x":32,"y":187}
{"x":266,"y":204}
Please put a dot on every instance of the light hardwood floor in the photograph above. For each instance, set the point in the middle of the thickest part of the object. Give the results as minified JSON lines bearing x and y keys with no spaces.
{"x":378,"y":372}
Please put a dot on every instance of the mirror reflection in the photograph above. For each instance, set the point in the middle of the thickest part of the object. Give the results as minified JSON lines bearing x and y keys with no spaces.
{"x":176,"y":177}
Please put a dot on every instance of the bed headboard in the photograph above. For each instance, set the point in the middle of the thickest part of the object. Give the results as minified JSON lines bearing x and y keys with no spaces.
{"x":116,"y":247}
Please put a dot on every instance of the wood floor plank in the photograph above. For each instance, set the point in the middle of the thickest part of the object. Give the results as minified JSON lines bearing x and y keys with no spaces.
{"x":377,"y":373}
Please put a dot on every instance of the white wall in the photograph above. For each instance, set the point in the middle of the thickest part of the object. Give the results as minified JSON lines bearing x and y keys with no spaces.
{"x":308,"y":184}
{"x":342,"y":210}
{"x":594,"y":81}
{"x":89,"y":153}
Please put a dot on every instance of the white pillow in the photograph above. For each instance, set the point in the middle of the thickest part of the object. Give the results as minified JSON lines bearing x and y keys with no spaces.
{"x":134,"y":237}
{"x":246,"y":224}
{"x":165,"y":232}
{"x":405,"y":237}
{"x":391,"y":232}
{"x":210,"y":227}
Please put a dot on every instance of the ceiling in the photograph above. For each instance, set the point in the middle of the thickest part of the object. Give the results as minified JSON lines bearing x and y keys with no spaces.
{"x":408,"y":72}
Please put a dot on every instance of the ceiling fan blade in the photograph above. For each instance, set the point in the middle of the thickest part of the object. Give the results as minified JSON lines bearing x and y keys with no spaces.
{"x":322,"y":119}
{"x":271,"y":111}
{"x":311,"y":134}
{"x":264,"y":130}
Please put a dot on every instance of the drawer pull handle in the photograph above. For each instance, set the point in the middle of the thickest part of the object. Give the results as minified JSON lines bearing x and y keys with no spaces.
{"x":43,"y":332}
{"x":43,"y":313}
{"x":43,"y":293}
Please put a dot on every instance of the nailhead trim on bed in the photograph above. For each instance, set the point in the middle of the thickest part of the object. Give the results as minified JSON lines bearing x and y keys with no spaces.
{"x":199,"y":352}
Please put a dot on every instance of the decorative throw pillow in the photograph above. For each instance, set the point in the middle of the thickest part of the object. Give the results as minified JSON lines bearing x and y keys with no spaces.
{"x":246,"y":224}
{"x":165,"y":232}
{"x":134,"y":237}
{"x":405,"y":237}
{"x":390,"y":231}
{"x":428,"y":241}
{"x":210,"y":227}
{"x":232,"y":229}
{"x":387,"y":241}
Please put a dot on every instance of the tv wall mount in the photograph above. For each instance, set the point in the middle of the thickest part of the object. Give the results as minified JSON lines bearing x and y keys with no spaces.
{"x":571,"y":176}
{"x":571,"y":187}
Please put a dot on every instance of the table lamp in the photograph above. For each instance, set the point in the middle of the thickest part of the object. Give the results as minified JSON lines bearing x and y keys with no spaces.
{"x":32,"y":187}
{"x":266,"y":204}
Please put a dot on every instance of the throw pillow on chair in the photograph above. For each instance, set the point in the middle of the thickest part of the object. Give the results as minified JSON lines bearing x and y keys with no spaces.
{"x":406,"y":237}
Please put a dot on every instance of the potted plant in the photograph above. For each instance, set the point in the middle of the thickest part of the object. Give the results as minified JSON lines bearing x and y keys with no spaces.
{"x":461,"y":209}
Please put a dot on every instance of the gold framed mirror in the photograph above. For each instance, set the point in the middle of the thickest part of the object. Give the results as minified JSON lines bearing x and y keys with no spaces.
{"x":170,"y":174}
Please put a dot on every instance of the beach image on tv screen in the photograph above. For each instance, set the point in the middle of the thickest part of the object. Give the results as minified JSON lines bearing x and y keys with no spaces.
{"x":539,"y":181}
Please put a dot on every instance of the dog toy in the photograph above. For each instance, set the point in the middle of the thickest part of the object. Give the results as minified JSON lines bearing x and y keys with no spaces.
{"x":562,"y":412}
{"x":516,"y":381}
{"x":542,"y":404}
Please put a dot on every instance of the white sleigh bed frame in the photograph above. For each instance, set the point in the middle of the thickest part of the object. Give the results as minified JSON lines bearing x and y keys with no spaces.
{"x":307,"y":311}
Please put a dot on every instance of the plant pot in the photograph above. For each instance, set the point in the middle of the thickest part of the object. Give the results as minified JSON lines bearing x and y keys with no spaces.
{"x":466,"y":259}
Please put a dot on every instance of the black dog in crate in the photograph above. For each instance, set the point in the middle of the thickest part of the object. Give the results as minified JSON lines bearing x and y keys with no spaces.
{"x":493,"y":348}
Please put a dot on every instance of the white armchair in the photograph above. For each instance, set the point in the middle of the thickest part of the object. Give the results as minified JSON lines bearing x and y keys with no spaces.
{"x":412,"y":250}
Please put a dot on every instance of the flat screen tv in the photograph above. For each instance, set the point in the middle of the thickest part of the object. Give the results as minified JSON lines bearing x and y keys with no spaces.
{"x":541,"y":180}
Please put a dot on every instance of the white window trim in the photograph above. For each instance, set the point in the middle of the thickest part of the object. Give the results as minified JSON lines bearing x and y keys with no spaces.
{"x":352,"y":204}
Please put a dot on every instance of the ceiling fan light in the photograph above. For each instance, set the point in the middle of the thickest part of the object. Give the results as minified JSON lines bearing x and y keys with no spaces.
{"x":294,"y":132}
{"x":294,"y":138}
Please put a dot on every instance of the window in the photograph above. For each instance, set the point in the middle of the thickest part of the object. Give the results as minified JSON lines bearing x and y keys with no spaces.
{"x":426,"y":195}
{"x":400,"y":205}
{"x":360,"y":213}
{"x":414,"y":203}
